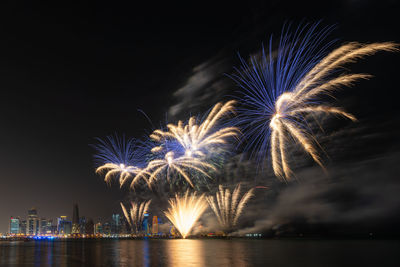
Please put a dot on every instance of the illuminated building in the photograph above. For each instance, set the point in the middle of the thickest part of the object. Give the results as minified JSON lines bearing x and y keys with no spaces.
{"x":154,"y":226}
{"x":124,"y":226}
{"x":64,"y":227}
{"x":145,"y":224}
{"x":107,"y":228}
{"x":98,"y":228}
{"x":53,"y":229}
{"x":82,"y":225}
{"x":89,"y":227}
{"x":115,"y":224}
{"x":32,"y":223}
{"x":22,"y":227}
{"x":49,"y":227}
{"x":14,"y":226}
{"x":67,"y":227}
{"x":173,"y":231}
{"x":75,"y":220}
{"x":60,"y":223}
{"x":43,"y":226}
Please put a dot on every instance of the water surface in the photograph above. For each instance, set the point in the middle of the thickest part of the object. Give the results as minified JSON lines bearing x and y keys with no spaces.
{"x":192,"y":252}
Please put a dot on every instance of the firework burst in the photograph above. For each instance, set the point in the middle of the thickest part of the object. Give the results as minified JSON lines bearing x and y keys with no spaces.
{"x":280,"y":91}
{"x":171,"y":165}
{"x":116,"y":157}
{"x":184,"y":211}
{"x":191,"y":149}
{"x":228,"y":206}
{"x":136,"y":214}
{"x":194,"y":138}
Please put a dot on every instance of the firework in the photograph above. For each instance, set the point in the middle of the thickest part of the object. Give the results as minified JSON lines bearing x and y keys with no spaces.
{"x":228,"y":207}
{"x":117,"y":157}
{"x":195,"y":139}
{"x":189,"y":149}
{"x":173,"y":165}
{"x":184,"y":211}
{"x":136,"y":214}
{"x":280,"y":92}
{"x":123,"y":171}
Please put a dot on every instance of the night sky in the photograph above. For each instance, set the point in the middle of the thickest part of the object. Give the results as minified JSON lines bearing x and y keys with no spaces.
{"x":70,"y":73}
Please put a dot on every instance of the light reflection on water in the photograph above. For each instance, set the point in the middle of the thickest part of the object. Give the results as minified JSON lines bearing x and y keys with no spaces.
{"x":192,"y":252}
{"x":186,"y":252}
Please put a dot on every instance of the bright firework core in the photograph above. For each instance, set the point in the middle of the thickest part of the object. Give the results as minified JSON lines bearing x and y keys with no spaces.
{"x":169,"y":157}
{"x":274,"y":120}
{"x":184,"y":211}
{"x":188,"y":153}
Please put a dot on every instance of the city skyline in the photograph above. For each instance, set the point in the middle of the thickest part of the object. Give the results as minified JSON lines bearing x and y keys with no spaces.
{"x":35,"y":225}
{"x":39,"y":221}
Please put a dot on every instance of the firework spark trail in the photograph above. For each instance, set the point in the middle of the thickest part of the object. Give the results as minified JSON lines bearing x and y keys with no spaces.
{"x":227,"y":207}
{"x":117,"y":157}
{"x":184,"y":211}
{"x":112,"y":169}
{"x":280,"y":92}
{"x":136,"y":213}
{"x":194,"y":138}
{"x":189,"y":148}
{"x":170,"y":165}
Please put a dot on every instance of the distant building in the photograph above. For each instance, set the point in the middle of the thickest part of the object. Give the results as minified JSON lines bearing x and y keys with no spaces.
{"x":82,"y":225}
{"x":22,"y":227}
{"x":60,"y":223}
{"x":154,"y":227}
{"x":54,"y":229}
{"x":98,"y":228}
{"x":125,"y":228}
{"x":173,"y":231}
{"x":64,"y":227}
{"x":75,"y":220}
{"x":32,"y":222}
{"x":115,"y":224}
{"x":67,"y":227}
{"x":89,"y":227}
{"x":145,"y":224}
{"x":43,"y":226}
{"x":49,"y":227}
{"x":107,"y":228}
{"x":14,"y":226}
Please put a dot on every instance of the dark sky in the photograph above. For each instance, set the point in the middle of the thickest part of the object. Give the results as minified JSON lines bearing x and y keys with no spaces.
{"x":70,"y":73}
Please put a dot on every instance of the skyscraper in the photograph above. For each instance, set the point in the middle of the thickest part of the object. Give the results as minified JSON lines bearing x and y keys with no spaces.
{"x":14,"y":226}
{"x":22,"y":227}
{"x":124,"y":226}
{"x":49,"y":227}
{"x":75,"y":220}
{"x":115,"y":224}
{"x":154,"y":227}
{"x":60,"y":223}
{"x":43,"y":226}
{"x":32,"y":223}
{"x":67,"y":227}
{"x":82,"y":225}
{"x":89,"y":227}
{"x":98,"y":228}
{"x":63,"y":226}
{"x":145,"y":224}
{"x":106,"y":228}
